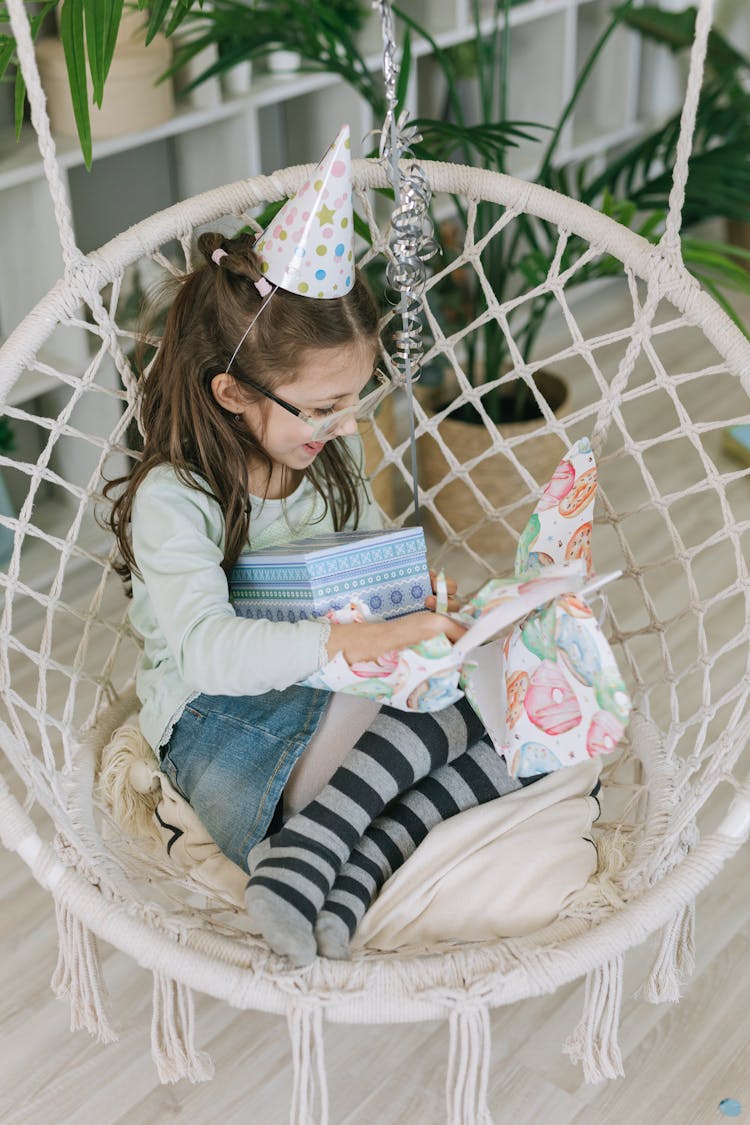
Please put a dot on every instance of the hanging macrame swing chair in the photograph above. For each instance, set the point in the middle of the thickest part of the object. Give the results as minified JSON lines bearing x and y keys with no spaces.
{"x":667,"y":832}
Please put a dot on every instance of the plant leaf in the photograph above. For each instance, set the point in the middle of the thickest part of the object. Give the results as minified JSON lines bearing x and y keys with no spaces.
{"x":110,"y":35}
{"x":362,"y":228}
{"x":6,"y":54}
{"x":159,"y":11}
{"x":402,"y":85}
{"x":720,"y":299}
{"x":95,"y":22}
{"x":676,"y":30}
{"x":19,"y":98}
{"x":71,"y":34}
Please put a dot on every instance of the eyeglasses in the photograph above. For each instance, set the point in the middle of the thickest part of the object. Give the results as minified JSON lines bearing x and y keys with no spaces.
{"x":322,"y":427}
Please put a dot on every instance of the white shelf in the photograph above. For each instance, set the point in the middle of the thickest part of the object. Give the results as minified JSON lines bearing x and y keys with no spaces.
{"x":20,"y":161}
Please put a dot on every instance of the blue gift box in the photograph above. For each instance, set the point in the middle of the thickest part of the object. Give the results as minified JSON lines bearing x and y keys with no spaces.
{"x":387,"y":570}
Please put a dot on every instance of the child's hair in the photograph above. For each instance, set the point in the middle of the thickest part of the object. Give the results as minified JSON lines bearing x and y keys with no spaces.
{"x":183,"y":423}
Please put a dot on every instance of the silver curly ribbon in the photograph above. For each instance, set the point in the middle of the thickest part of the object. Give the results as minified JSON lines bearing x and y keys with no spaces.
{"x":412,"y":239}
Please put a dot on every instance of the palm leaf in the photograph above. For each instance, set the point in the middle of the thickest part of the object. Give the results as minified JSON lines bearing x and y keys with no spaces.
{"x":7,"y":50}
{"x":72,"y":37}
{"x":96,"y":18}
{"x":404,"y":70}
{"x":723,"y":301}
{"x":159,"y":11}
{"x":676,"y":30}
{"x":19,"y":98}
{"x":114,"y":16}
{"x":441,"y":139}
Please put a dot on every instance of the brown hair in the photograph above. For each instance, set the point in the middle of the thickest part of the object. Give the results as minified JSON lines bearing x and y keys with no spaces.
{"x":183,"y":423}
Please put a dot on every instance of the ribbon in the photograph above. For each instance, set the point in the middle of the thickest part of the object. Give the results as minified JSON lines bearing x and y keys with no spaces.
{"x":412,"y":240}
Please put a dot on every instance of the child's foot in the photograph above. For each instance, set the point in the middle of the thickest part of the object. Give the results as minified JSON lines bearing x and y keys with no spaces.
{"x":332,"y":936}
{"x":287,"y":932}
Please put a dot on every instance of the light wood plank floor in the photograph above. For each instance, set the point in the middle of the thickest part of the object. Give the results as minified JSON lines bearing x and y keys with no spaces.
{"x":680,"y":1061}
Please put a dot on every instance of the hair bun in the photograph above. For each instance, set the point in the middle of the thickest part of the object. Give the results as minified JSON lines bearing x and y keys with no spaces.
{"x":232,"y":255}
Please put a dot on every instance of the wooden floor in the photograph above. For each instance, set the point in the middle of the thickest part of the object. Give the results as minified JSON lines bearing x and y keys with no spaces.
{"x":680,"y":1061}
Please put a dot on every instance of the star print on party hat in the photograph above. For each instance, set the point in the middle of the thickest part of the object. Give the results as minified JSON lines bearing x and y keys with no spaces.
{"x":308,"y":247}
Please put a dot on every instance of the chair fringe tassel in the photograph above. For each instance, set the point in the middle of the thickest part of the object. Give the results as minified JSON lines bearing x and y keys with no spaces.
{"x":305,"y":1022}
{"x":78,"y":976}
{"x":594,"y":1043}
{"x":468,"y":1067}
{"x":173,"y":1034}
{"x":675,"y":961}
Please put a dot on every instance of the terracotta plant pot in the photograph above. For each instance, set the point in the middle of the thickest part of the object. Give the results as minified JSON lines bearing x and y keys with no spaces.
{"x":496,"y":477}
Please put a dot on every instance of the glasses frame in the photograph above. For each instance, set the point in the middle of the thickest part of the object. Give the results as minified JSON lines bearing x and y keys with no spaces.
{"x":323,"y":426}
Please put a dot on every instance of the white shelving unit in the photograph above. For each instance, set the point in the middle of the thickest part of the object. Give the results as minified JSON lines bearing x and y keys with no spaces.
{"x":289,"y":119}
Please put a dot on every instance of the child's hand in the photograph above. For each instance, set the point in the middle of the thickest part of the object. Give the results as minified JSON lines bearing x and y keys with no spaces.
{"x":372,"y":639}
{"x":453,"y":603}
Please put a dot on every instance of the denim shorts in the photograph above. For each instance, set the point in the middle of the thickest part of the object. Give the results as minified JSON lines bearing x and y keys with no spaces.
{"x":230,"y":757}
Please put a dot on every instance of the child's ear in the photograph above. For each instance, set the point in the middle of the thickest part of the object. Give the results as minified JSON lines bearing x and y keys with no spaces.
{"x":226,"y":392}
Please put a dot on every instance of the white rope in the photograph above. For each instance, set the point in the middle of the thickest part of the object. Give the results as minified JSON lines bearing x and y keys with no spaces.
{"x":173,"y":1033}
{"x":595,"y":1042}
{"x":305,"y":1021}
{"x":78,"y":977}
{"x":19,"y":21}
{"x":670,"y":241}
{"x":468,"y":1066}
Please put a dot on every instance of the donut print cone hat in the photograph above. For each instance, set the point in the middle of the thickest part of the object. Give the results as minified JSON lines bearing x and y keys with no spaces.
{"x":307,"y":248}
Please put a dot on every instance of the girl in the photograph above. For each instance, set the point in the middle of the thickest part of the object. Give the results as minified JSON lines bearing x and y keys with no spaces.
{"x":250,"y":419}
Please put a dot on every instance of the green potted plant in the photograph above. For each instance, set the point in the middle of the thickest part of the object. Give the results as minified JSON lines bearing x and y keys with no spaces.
{"x":633,"y":187}
{"x":89,"y":35}
{"x":719,"y":170}
{"x":322,"y":33}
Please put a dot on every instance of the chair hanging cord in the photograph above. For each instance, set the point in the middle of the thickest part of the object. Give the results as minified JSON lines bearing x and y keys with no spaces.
{"x":670,"y":240}
{"x":19,"y":22}
{"x":412,"y":242}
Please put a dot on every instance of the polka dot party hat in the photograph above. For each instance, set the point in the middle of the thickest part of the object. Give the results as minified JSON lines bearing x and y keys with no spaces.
{"x":308,"y":247}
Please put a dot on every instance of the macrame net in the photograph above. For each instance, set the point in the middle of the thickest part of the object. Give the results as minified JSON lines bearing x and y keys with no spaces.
{"x":673,"y":514}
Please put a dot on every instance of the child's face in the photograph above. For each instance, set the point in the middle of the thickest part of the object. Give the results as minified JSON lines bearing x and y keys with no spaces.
{"x":329,"y":379}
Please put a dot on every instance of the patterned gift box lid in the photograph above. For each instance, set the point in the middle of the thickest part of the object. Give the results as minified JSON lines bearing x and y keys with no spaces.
{"x":317,"y":561}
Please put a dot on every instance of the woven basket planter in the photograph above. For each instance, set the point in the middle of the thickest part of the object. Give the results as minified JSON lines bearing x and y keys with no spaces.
{"x":491,"y":533}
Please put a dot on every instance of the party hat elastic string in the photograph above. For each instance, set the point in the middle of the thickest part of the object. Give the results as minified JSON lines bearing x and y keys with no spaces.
{"x":266,"y":302}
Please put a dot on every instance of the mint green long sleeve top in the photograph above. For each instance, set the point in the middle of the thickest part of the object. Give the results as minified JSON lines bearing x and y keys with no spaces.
{"x":193,"y":642}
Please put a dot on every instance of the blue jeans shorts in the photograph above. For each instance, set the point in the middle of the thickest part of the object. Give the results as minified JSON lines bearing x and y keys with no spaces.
{"x":230,"y":758}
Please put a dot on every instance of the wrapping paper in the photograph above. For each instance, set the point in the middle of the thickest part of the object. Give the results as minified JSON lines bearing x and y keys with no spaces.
{"x":427,"y":676}
{"x":533,"y":663}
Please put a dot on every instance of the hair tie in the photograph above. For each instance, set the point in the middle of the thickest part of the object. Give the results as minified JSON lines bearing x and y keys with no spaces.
{"x":263,"y":286}
{"x":218,"y":254}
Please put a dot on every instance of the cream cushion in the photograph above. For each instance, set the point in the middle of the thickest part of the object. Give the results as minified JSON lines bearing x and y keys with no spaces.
{"x":503,"y":869}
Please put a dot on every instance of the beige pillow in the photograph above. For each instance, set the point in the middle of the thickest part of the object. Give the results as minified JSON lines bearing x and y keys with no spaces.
{"x":502,"y":869}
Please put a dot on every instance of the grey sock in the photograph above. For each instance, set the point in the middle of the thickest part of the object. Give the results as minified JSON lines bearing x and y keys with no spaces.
{"x":295,"y":869}
{"x":476,"y":777}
